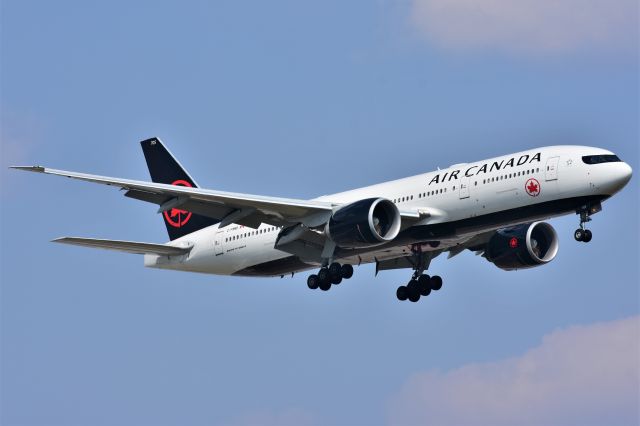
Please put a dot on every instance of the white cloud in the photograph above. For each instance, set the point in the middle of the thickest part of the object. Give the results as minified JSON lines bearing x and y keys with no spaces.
{"x":581,"y":375}
{"x":531,"y":26}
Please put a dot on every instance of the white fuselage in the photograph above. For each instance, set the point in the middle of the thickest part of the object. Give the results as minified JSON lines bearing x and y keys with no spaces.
{"x":463,"y":195}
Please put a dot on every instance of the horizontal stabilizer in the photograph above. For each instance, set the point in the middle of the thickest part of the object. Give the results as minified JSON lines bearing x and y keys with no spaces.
{"x":126,"y":246}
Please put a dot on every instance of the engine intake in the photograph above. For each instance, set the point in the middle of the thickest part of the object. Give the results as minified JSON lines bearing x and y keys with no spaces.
{"x":522,"y":246}
{"x":364,"y":223}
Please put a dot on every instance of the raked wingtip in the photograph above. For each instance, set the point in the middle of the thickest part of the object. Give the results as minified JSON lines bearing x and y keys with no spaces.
{"x":38,"y":169}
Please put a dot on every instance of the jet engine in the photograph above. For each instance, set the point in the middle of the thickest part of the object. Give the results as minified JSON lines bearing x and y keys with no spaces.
{"x":522,"y":246}
{"x":364,"y":223}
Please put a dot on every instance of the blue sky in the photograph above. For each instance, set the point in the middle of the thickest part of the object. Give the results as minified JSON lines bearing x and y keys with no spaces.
{"x":302,"y":99}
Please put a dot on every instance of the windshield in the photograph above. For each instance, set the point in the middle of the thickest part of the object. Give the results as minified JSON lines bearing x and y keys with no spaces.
{"x":597,"y":159}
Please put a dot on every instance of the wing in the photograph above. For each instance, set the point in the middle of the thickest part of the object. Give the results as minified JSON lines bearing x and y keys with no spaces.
{"x":126,"y":246}
{"x":227,"y":207}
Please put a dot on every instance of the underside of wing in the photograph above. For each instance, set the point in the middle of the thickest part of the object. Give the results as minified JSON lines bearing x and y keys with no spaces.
{"x":126,"y":246}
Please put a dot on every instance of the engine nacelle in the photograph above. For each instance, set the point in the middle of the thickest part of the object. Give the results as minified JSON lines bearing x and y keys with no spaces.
{"x":364,"y":223}
{"x":522,"y":246}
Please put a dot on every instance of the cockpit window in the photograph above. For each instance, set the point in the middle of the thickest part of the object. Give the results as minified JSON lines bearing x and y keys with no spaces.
{"x":597,"y":159}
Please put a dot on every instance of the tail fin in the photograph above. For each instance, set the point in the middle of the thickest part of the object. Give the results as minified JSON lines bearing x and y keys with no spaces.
{"x":164,"y":168}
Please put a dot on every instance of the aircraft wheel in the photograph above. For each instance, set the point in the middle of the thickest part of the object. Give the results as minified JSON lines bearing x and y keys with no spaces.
{"x":323,"y":274}
{"x":402,"y":293}
{"x":313,"y":282}
{"x":424,"y":284}
{"x":579,"y":234}
{"x":324,"y":285}
{"x":335,"y":269}
{"x":346,"y":271}
{"x":336,"y":279}
{"x":413,"y":289}
{"x":587,"y":236}
{"x":436,"y":282}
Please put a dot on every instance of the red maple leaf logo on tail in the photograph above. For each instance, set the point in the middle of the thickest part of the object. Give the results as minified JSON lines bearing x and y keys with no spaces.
{"x":178,"y":217}
{"x":176,"y":212}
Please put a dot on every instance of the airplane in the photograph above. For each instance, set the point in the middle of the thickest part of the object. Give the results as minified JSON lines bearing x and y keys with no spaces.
{"x":493,"y":207}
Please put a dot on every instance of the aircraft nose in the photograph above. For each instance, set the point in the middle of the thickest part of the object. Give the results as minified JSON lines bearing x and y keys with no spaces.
{"x":621,"y":176}
{"x":626,"y":173}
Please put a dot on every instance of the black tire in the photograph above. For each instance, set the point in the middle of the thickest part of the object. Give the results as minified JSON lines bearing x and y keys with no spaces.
{"x":402,"y":293}
{"x":324,"y":285}
{"x":424,"y":283}
{"x":336,"y":280}
{"x":587,"y":236}
{"x":579,"y":234}
{"x":313,"y":282}
{"x":414,"y":294}
{"x":335,"y":269}
{"x":436,"y":282}
{"x":346,"y":271}
{"x":323,"y":274}
{"x":413,"y":284}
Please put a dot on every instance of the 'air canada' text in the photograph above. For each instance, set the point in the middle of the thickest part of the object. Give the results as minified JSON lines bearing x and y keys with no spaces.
{"x":486,"y":168}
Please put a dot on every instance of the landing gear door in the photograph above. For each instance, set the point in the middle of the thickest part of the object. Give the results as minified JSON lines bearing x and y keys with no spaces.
{"x":217,"y":243}
{"x":551,"y":172}
{"x":464,"y":188}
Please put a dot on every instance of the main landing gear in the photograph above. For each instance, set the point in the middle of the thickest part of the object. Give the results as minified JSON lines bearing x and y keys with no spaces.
{"x":582,"y":234}
{"x":419,"y":285}
{"x":333,"y":275}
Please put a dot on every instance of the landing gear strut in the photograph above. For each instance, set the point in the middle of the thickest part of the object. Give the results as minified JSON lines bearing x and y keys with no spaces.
{"x":328,"y":276}
{"x":582,"y":234}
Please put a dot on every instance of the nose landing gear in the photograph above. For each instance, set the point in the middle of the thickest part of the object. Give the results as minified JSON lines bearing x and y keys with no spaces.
{"x":582,"y":234}
{"x":328,"y":276}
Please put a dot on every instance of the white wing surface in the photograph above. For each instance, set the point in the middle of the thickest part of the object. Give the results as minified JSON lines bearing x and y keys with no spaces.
{"x":126,"y":246}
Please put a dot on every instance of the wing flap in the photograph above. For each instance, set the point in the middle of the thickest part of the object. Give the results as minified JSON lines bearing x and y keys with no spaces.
{"x":126,"y":246}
